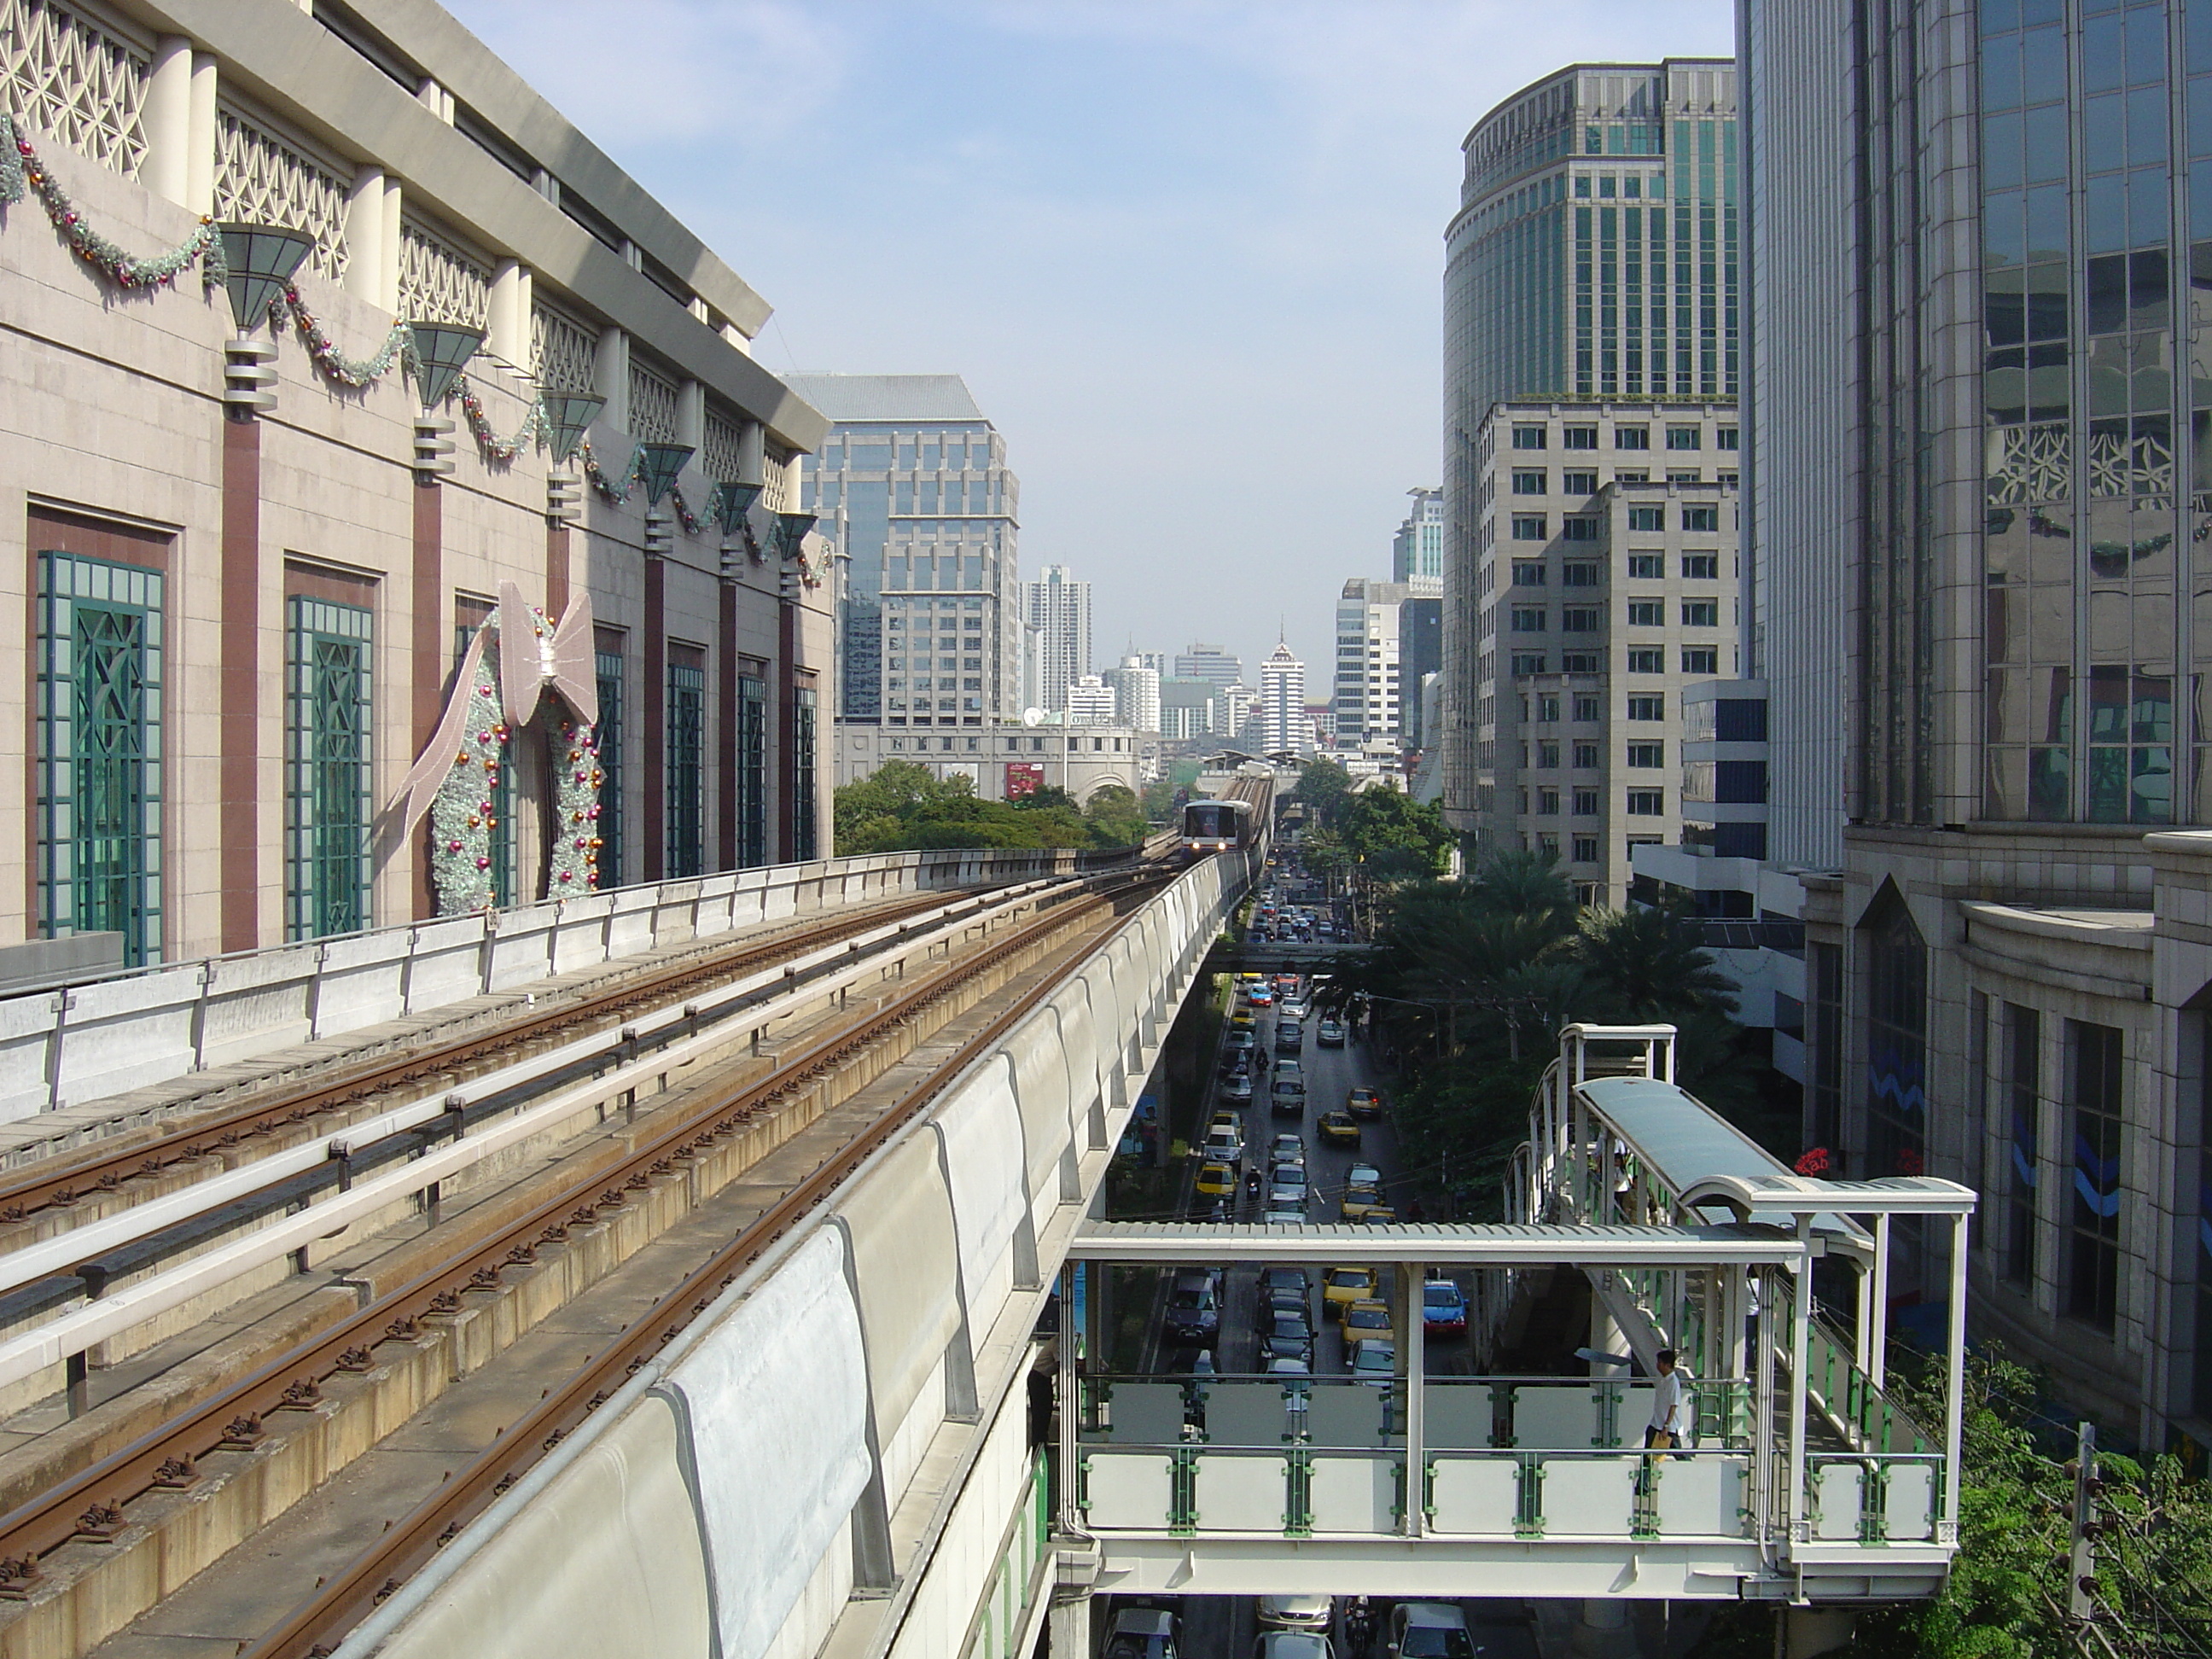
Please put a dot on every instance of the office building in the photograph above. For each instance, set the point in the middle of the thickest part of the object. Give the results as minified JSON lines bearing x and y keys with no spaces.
{"x":1283,"y":727}
{"x":1369,"y":697}
{"x":1758,"y":814}
{"x":2014,"y":967}
{"x":1092,"y":702}
{"x":1606,"y":572}
{"x":1417,"y":551}
{"x":1210,"y":662}
{"x":1420,"y":658}
{"x":1003,"y":762}
{"x":1136,"y":693}
{"x":1187,"y":708}
{"x":258,"y":568}
{"x":1594,"y":257}
{"x":1057,"y":607}
{"x":928,"y":620}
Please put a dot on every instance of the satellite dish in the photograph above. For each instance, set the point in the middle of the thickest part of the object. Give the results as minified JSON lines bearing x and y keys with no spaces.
{"x":1032,"y":717}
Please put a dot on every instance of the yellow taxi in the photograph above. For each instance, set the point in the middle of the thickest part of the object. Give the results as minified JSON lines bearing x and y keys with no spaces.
{"x":1365,"y":1102}
{"x":1342,"y":1286}
{"x":1217,"y":1180}
{"x":1368,"y":1320}
{"x":1360,"y":1201}
{"x":1339,"y":1129}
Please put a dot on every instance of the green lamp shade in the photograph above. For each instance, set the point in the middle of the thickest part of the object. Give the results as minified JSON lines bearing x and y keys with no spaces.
{"x":657,"y":465}
{"x":791,"y":529}
{"x":568,"y":416}
{"x":260,"y":260}
{"x":441,"y":351}
{"x":731,"y":502}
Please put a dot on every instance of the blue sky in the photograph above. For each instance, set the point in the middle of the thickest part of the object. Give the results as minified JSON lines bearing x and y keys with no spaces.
{"x":1187,"y":255}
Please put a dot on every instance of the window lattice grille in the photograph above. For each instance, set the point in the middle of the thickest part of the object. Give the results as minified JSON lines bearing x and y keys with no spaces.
{"x":439,"y":280}
{"x":776,"y":498}
{"x":562,"y":351}
{"x":67,"y":76}
{"x":685,"y":792}
{"x":718,"y":453}
{"x":328,"y":806}
{"x":99,"y":751}
{"x":652,"y":405}
{"x":263,"y":177}
{"x":608,"y":665}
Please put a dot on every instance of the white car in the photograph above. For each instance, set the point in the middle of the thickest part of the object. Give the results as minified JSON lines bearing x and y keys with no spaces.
{"x":1295,"y":1612}
{"x":1429,"y":1630}
{"x":1292,"y":1644}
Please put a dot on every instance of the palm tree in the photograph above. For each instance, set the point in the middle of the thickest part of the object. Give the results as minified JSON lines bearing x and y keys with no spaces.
{"x":1648,"y":965}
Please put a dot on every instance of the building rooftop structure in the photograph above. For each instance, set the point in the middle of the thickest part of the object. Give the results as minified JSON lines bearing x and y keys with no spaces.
{"x":847,"y":398}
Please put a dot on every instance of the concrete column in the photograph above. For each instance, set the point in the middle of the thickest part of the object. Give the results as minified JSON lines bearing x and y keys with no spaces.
{"x":1411,"y":1301}
{"x":653,"y":728}
{"x":508,"y":335}
{"x":364,"y":274}
{"x":610,"y":377}
{"x":433,"y":644}
{"x":752,"y":453}
{"x":691,"y":414}
{"x":199,"y":140}
{"x":1068,"y":1631}
{"x":388,"y":277}
{"x":240,"y":644}
{"x":1811,"y":1631}
{"x":167,"y":168}
{"x":1604,"y":1632}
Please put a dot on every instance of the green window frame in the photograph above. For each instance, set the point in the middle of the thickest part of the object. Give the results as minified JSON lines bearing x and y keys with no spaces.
{"x":685,"y":803}
{"x":329,"y":777}
{"x":609,"y":667}
{"x":100,"y":664}
{"x":804,"y":716}
{"x":751,"y":758}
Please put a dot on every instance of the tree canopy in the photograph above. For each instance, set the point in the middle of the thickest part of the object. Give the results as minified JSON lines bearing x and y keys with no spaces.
{"x":904,"y":807}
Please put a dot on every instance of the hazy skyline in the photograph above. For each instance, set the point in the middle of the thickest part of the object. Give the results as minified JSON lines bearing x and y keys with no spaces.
{"x":1187,"y":256}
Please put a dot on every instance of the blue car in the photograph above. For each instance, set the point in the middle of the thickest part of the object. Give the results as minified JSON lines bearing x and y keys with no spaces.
{"x":1444,"y":1308}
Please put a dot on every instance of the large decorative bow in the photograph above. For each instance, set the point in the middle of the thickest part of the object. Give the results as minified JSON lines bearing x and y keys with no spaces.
{"x":531,"y":657}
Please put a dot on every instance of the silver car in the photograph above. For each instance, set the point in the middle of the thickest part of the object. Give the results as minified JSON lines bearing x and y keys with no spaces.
{"x":1292,"y":1644}
{"x":1295,"y":1612}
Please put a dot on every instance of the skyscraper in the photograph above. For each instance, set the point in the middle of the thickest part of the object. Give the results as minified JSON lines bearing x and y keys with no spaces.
{"x":1369,"y":697}
{"x":1283,"y":725}
{"x":1136,"y":693}
{"x":928,"y":629}
{"x":2008,"y":985}
{"x":1590,"y":315}
{"x":1417,"y":551}
{"x":1209,"y":662}
{"x":1058,"y":607}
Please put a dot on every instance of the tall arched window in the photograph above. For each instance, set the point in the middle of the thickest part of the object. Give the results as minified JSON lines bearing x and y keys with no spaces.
{"x":1897,"y":1044}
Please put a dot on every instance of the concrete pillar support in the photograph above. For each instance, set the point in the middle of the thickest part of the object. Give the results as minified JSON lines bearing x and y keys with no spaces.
{"x":364,"y":275}
{"x":508,"y":335}
{"x":1605,"y":1632}
{"x":610,"y":378}
{"x":199,"y":139}
{"x":167,"y":168}
{"x":691,"y":414}
{"x":388,"y":275}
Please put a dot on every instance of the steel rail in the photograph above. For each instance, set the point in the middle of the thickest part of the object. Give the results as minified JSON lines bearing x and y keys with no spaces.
{"x":576,"y":1065}
{"x":311,"y":1630}
{"x":91,"y":1504}
{"x":65,"y":1178}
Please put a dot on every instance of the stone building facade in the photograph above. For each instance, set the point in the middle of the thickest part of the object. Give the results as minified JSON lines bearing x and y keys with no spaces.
{"x":237,"y":571}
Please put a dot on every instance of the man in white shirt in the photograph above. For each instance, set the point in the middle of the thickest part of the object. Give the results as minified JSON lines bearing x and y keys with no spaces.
{"x":1670,"y":1407}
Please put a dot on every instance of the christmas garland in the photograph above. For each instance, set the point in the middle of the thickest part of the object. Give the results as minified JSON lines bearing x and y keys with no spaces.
{"x":496,"y":448}
{"x":598,"y":479}
{"x":574,"y":749}
{"x":462,"y":815}
{"x":356,"y":372}
{"x":20,"y":164}
{"x":690,"y":519}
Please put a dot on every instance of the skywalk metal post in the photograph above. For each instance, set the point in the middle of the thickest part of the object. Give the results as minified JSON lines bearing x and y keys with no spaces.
{"x":1955,"y":1366}
{"x":1799,"y":1334}
{"x":1416,"y":1317}
{"x":1878,"y":1349}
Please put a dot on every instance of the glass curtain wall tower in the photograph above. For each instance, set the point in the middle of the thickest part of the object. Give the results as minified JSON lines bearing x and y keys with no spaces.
{"x":1594,"y":255}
